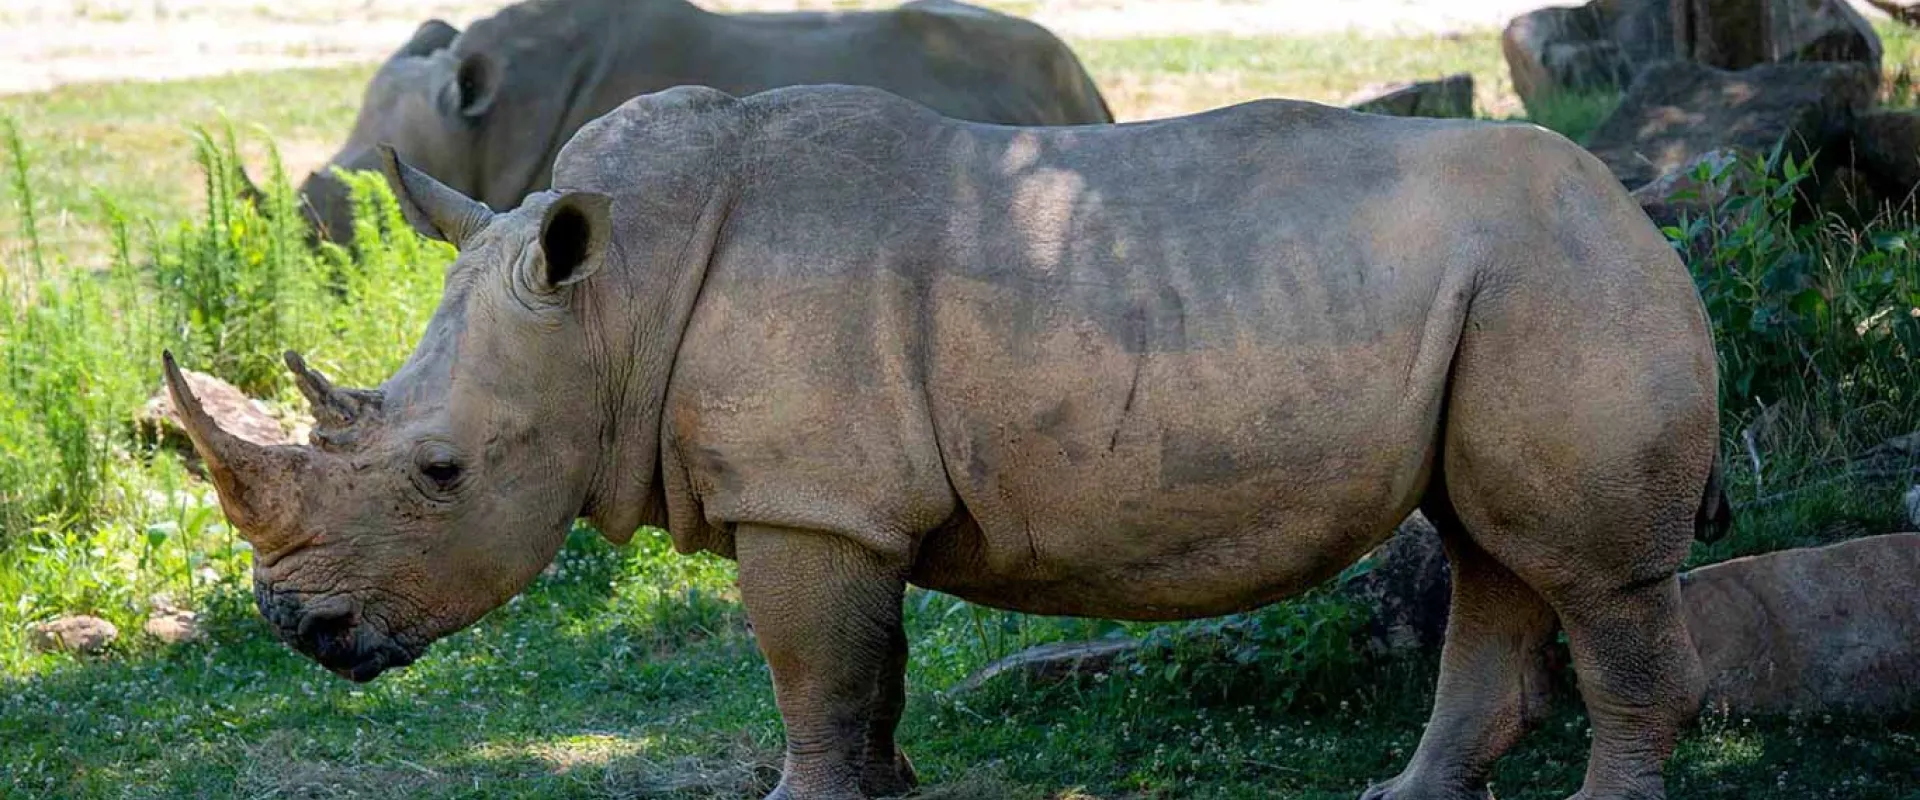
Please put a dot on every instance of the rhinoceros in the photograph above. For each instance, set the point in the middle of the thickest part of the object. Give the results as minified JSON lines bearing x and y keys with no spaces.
{"x":1150,"y":371}
{"x":485,"y":111}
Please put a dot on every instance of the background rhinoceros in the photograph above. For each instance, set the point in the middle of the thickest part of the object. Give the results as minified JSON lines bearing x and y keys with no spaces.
{"x":1153,"y":371}
{"x":487,"y":109}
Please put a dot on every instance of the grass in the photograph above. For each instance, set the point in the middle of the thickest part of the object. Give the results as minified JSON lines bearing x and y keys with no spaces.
{"x":628,"y":672}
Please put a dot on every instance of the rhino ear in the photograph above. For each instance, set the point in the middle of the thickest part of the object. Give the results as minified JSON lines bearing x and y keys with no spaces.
{"x":434,"y":34}
{"x":471,"y":92}
{"x":573,"y":239}
{"x":432,"y":207}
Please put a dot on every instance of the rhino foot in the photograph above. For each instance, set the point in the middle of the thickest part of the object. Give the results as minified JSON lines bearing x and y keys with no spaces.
{"x":1410,"y":787}
{"x":889,"y":780}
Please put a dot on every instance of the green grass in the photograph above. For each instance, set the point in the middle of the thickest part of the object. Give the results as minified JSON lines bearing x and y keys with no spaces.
{"x":628,"y":672}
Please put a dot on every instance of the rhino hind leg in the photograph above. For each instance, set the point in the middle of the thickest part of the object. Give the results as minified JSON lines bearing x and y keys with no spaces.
{"x":1494,"y":681}
{"x":826,"y":614}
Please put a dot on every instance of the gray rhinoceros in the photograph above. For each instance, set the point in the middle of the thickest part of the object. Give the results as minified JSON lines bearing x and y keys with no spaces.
{"x":1150,"y":371}
{"x":487,"y":110}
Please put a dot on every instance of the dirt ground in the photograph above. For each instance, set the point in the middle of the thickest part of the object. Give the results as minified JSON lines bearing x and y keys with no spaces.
{"x":46,"y":43}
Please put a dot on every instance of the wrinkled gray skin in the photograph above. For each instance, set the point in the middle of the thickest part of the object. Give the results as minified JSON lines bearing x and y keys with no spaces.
{"x":1151,"y":371}
{"x":485,"y":112}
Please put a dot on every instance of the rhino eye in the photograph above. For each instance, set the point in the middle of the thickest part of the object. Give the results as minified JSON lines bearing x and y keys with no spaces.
{"x":444,"y":474}
{"x":439,"y":470}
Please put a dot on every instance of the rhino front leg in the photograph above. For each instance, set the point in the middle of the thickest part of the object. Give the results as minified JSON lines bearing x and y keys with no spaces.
{"x":826,"y":613}
{"x":888,"y":773}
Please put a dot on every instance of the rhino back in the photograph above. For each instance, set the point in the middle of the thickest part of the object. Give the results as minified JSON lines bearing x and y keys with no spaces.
{"x":1077,"y":353}
{"x":564,"y":63}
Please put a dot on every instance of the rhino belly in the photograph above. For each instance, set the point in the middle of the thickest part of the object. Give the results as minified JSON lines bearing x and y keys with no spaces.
{"x":1174,"y":484}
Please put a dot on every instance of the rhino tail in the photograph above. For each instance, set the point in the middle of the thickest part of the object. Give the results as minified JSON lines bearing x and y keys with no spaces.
{"x":1716,"y":514}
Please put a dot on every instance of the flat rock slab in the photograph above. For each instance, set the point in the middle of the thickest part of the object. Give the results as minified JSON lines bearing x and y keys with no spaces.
{"x":1051,"y":663}
{"x":230,"y":408}
{"x":1831,"y":629}
{"x":1448,"y":97}
{"x":1678,"y":111}
{"x":78,"y":633}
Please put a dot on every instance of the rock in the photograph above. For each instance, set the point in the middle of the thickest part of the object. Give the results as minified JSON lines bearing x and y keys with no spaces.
{"x":1052,"y":663}
{"x":231,"y":409}
{"x":1595,"y":48}
{"x":1913,"y":506}
{"x":173,"y":625}
{"x":1886,"y":147}
{"x":1729,"y":34}
{"x":1678,"y":111}
{"x":1685,"y":191}
{"x":74,"y":634}
{"x":1736,"y":34}
{"x":1906,"y":11}
{"x":1451,"y":96}
{"x":1831,"y":629}
{"x":1407,"y":591}
{"x":1601,"y":46}
{"x":1820,"y":30}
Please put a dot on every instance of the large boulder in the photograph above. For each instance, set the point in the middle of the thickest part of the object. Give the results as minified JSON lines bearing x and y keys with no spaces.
{"x":1595,"y":48}
{"x":1886,"y":148}
{"x":78,"y":633}
{"x":236,"y":413}
{"x":1448,"y":97}
{"x":1677,"y":111}
{"x":1695,"y":188}
{"x":1819,"y":30}
{"x":1907,"y":11}
{"x":1601,"y":46}
{"x":1818,"y":630}
{"x":1729,"y":34}
{"x":1405,"y":590}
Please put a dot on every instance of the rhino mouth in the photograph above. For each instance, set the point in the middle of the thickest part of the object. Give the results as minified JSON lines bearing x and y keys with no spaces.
{"x":361,"y":665}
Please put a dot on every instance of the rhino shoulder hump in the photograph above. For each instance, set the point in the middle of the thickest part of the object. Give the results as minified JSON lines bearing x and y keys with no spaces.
{"x":683,"y":118}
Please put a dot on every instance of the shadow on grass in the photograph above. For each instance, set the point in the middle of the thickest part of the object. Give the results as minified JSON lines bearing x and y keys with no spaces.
{"x":629,"y":674}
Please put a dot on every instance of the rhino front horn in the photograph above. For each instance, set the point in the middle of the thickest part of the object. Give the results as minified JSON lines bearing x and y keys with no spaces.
{"x":257,"y":484}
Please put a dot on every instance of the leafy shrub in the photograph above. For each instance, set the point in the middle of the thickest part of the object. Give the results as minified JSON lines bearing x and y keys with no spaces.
{"x":91,"y":521}
{"x":1815,"y":320}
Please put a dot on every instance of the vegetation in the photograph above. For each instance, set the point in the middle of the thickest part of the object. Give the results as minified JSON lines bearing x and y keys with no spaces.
{"x":628,"y":671}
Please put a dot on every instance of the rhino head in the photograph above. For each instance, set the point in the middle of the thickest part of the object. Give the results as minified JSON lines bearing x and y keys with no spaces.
{"x":421,"y":505}
{"x":427,"y":102}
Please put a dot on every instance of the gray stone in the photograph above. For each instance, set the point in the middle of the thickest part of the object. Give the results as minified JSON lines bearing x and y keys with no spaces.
{"x":1406,"y":591}
{"x":1820,"y":30}
{"x":1905,"y":11}
{"x":1448,"y":97}
{"x":1595,"y":48}
{"x":1886,"y":148}
{"x":236,"y":413}
{"x":1052,"y":663}
{"x":1678,"y":111}
{"x":77,"y":633}
{"x":1831,"y":629}
{"x":173,"y":625}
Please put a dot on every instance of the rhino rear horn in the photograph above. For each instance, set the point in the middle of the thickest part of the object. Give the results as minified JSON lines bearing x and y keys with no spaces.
{"x":258,"y":484}
{"x":432,"y":207}
{"x":333,"y":407}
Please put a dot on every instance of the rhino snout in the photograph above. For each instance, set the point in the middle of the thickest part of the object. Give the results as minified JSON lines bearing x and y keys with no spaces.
{"x":333,"y":632}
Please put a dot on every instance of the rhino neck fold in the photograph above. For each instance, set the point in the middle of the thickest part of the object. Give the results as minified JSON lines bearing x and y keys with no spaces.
{"x":658,"y":288}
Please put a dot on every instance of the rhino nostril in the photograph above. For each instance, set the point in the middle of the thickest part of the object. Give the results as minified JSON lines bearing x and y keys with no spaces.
{"x":326,"y":633}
